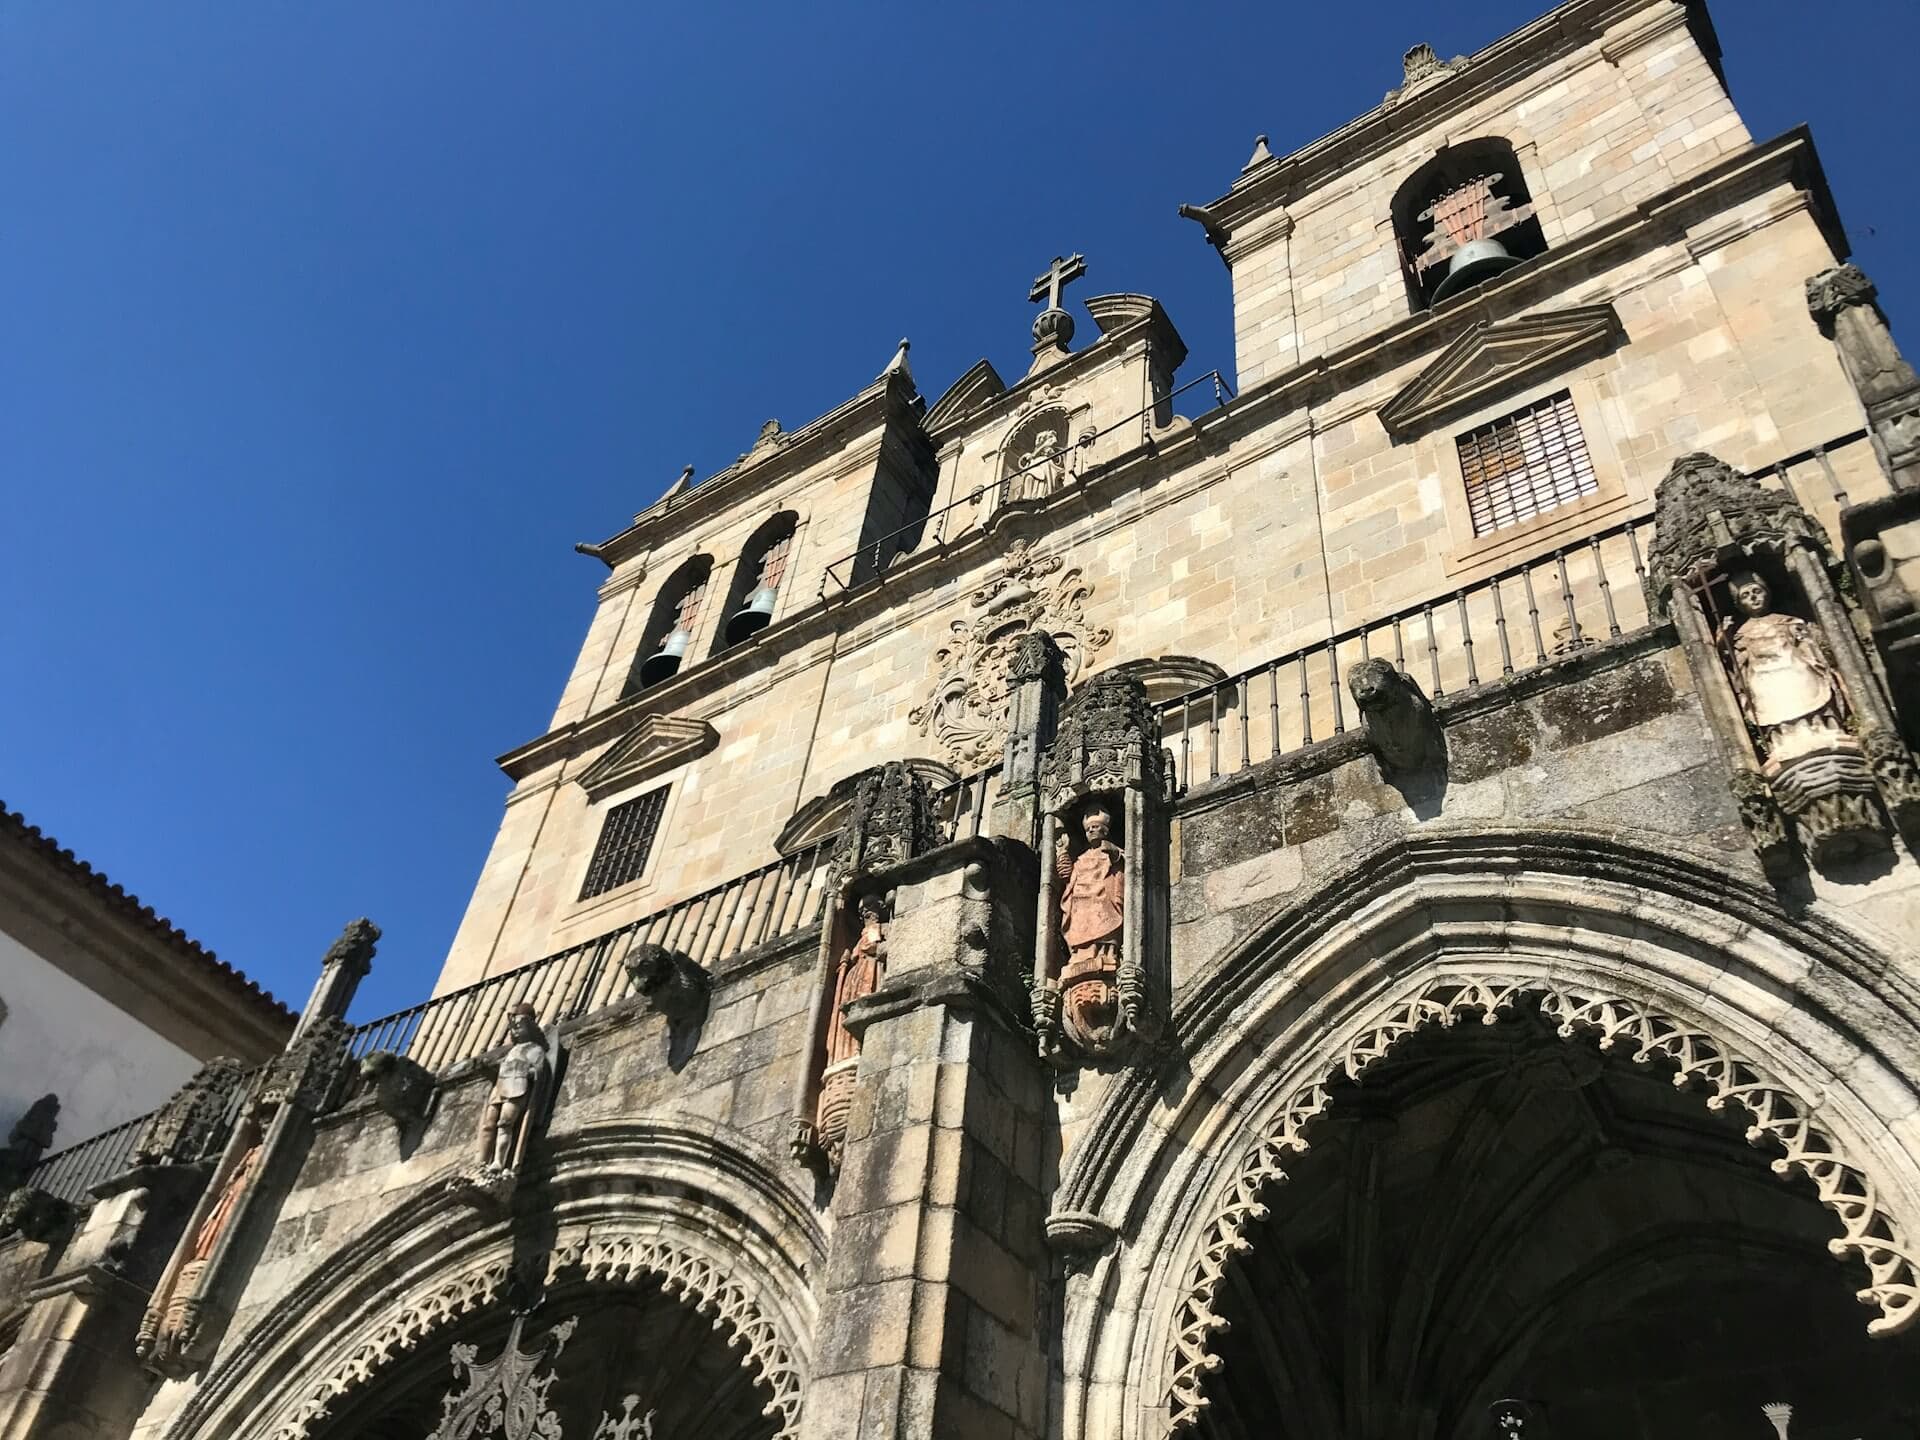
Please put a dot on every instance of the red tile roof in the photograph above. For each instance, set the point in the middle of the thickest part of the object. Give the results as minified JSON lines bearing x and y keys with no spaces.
{"x":14,"y":826}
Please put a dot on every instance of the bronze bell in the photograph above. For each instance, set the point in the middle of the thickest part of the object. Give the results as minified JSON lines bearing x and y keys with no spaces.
{"x":664,"y":663}
{"x":753,"y":617}
{"x":1473,"y":262}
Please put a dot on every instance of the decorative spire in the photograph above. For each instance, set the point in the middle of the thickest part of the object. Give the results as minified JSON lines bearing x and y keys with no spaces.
{"x":898,"y":365}
{"x":1261,"y":154}
{"x":675,"y":490}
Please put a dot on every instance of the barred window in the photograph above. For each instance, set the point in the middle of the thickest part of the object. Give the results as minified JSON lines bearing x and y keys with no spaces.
{"x":626,"y":839}
{"x":1526,"y":464}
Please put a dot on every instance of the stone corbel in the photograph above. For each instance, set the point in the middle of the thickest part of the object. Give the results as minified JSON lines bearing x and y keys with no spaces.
{"x":1405,"y":734}
{"x":401,"y":1087}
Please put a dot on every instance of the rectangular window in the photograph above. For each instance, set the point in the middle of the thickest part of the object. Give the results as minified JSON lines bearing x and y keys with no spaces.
{"x":626,"y":839}
{"x":1526,"y":464}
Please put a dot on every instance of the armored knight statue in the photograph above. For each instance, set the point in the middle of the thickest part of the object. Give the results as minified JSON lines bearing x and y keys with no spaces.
{"x":1092,"y":914}
{"x":1785,"y":680}
{"x":513,"y":1107}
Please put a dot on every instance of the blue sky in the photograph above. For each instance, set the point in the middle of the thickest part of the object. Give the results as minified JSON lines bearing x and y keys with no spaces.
{"x":326,"y":330}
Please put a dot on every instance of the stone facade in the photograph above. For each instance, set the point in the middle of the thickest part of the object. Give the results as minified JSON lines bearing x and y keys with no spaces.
{"x":1445,"y":878}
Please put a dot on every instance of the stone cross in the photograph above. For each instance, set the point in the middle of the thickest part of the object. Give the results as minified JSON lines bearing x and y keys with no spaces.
{"x":1056,"y":278}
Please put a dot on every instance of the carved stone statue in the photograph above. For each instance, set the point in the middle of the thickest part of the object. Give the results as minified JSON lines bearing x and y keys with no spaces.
{"x":1784,"y":678}
{"x":171,"y":1327}
{"x":1399,"y":718}
{"x":858,"y":971}
{"x":1039,"y":471}
{"x":518,"y":1087}
{"x":1092,"y":914}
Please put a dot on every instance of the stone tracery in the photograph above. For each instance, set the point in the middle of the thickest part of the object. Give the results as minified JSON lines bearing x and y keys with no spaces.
{"x":1779,"y":1116}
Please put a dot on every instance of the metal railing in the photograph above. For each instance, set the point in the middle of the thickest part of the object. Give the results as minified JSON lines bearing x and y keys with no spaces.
{"x":1544,"y":608}
{"x":879,"y":556}
{"x":70,"y":1173}
{"x":778,"y":899}
{"x":962,"y":806}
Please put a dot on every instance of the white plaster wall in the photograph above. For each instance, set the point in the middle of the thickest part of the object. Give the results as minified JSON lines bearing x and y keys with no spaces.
{"x":58,"y":1035}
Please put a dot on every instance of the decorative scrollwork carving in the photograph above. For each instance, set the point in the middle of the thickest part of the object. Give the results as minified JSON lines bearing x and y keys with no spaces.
{"x":966,"y":714}
{"x":1779,"y":1117}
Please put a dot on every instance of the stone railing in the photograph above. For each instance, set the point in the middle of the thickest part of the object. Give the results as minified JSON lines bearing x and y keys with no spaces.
{"x":1551,"y":606}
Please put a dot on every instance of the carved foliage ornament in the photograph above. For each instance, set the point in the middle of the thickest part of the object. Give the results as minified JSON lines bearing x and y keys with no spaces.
{"x":507,"y":1396}
{"x":1108,"y":739}
{"x":891,"y":820}
{"x":966,"y":713}
{"x":609,"y":1256}
{"x":1781,"y":1120}
{"x":1705,"y":506}
{"x":192,"y":1125}
{"x":1832,"y":291}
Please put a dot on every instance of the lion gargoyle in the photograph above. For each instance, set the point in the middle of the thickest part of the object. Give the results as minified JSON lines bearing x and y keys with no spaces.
{"x":1400,"y":721}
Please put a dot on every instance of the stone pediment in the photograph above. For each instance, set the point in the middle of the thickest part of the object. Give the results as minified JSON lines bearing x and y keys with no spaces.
{"x":967,"y":394}
{"x":656,"y":745}
{"x":1504,"y":355}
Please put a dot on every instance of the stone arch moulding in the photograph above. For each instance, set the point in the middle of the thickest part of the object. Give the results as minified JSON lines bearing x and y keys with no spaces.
{"x":1801,"y":1024}
{"x":686,"y":1207}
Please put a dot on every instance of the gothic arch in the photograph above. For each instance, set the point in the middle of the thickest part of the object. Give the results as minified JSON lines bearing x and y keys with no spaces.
{"x":685,"y":1207}
{"x":1794,"y":1020}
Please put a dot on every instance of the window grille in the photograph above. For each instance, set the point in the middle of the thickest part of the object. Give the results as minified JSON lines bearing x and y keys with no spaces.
{"x":773,"y":564}
{"x":625,"y":842}
{"x":1526,"y":464}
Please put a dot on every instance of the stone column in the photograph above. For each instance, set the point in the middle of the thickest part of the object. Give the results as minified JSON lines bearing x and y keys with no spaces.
{"x":1037,"y":682}
{"x":933,"y":1307}
{"x":1881,"y":537}
{"x":70,"y":1370}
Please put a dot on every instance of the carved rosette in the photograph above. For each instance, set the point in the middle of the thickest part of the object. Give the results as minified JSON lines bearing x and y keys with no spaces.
{"x":1099,"y":1000}
{"x":966,"y":711}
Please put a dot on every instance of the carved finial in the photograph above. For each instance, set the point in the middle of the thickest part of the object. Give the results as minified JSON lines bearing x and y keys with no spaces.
{"x":1832,"y":291}
{"x":1778,"y":1415}
{"x":898,"y":365}
{"x":354,"y":948}
{"x":678,"y":487}
{"x":1261,"y":154}
{"x":1419,"y":62}
{"x":1053,"y":326}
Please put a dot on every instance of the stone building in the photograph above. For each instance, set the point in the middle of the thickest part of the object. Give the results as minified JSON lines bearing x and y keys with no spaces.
{"x":103,"y":1003}
{"x":987,"y":845}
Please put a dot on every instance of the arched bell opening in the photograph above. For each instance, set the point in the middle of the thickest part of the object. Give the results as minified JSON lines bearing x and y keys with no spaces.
{"x":1499,"y":1212}
{"x":754,"y":593}
{"x":1463,"y":218}
{"x":671,"y":626}
{"x":594,"y":1359}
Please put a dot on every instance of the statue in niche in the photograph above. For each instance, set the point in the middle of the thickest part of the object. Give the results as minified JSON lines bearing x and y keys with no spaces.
{"x":1092,"y":914}
{"x":169,"y":1329}
{"x":1784,"y":677}
{"x":857,"y":973}
{"x":1040,"y":470}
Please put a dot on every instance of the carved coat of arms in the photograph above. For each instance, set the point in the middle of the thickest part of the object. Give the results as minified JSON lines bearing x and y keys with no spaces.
{"x":966,"y":714}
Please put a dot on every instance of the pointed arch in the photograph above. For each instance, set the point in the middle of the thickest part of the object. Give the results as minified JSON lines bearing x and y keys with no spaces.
{"x":1811,"y":1029}
{"x":688,"y":1207}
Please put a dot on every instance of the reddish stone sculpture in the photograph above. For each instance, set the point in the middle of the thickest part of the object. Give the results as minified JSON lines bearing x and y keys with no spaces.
{"x":857,"y":974}
{"x":1092,"y":914}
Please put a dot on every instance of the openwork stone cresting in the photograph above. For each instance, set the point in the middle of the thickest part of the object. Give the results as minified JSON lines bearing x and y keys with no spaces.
{"x":1780,"y":1118}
